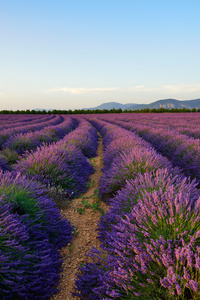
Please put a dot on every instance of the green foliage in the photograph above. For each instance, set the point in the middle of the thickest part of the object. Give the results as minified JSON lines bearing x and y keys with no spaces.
{"x":102,"y":111}
{"x":96,"y":194}
{"x":96,"y":206}
{"x":70,"y":247}
{"x":23,"y":204}
{"x":75,"y":231}
{"x":86,"y":203}
{"x":81,"y":210}
{"x":9,"y":155}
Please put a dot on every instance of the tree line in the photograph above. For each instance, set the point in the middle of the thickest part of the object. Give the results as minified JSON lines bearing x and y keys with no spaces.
{"x":100,"y":111}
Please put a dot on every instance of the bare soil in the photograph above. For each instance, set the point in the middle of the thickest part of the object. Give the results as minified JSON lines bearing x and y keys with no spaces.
{"x":83,"y":213}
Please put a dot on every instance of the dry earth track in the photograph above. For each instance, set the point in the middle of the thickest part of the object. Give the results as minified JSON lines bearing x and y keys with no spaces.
{"x":85,"y":224}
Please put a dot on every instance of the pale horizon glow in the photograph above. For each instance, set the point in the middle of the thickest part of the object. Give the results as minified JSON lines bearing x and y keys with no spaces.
{"x":80,"y":54}
{"x":81,"y":90}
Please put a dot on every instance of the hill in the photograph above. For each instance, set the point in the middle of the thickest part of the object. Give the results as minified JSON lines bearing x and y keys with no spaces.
{"x":165,"y":103}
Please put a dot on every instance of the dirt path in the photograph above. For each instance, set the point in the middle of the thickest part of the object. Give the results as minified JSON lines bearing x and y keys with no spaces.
{"x":84,"y":213}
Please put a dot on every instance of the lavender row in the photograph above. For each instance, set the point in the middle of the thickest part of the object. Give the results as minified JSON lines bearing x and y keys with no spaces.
{"x":125,"y":153}
{"x":149,"y":236}
{"x":6,"y":133}
{"x":150,"y":243}
{"x":20,"y":120}
{"x":31,"y":233}
{"x":10,"y":120}
{"x":63,"y":164}
{"x":187,"y":124}
{"x":181,"y":150}
{"x":85,"y":137}
{"x":23,"y":142}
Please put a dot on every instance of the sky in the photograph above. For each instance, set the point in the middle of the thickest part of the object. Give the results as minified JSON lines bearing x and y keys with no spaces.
{"x":75,"y":54}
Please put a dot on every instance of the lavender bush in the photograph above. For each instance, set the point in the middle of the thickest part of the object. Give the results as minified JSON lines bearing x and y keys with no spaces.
{"x":84,"y":137}
{"x":151,"y":240}
{"x":7,"y":133}
{"x":90,"y":280}
{"x":9,"y":157}
{"x":16,"y":120}
{"x":28,"y":141}
{"x":22,"y":142}
{"x":53,"y":165}
{"x":32,"y":230}
{"x":125,"y":156}
{"x":127,"y":165}
{"x":150,"y":234}
{"x":157,"y":243}
{"x":181,"y":150}
{"x":4,"y":164}
{"x":127,"y":197}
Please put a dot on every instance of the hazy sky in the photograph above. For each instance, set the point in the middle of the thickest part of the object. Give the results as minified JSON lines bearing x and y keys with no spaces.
{"x":81,"y":53}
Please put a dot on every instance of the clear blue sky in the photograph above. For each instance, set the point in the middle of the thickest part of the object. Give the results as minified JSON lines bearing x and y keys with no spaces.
{"x":81,"y":53}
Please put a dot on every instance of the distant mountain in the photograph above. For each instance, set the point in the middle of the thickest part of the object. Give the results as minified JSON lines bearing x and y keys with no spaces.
{"x":165,"y":103}
{"x":111,"y":105}
{"x":168,"y":103}
{"x":191,"y":103}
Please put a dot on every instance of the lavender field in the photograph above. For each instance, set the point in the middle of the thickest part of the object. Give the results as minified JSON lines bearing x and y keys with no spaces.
{"x":149,"y":236}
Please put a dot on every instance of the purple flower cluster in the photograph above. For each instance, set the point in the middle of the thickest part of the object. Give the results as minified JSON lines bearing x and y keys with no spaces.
{"x":89,"y":282}
{"x":31,"y":232}
{"x":150,"y":241}
{"x":31,"y":228}
{"x":63,"y":163}
{"x":181,"y":150}
{"x":50,"y":164}
{"x":16,"y":120}
{"x":84,"y":137}
{"x":125,"y":156}
{"x":23,"y":142}
{"x":5,"y":134}
{"x":4,"y":164}
{"x":150,"y":234}
{"x":187,"y":123}
{"x":155,"y":244}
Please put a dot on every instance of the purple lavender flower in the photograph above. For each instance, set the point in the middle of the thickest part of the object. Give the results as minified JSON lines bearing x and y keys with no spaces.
{"x":31,"y":232}
{"x":142,"y":246}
